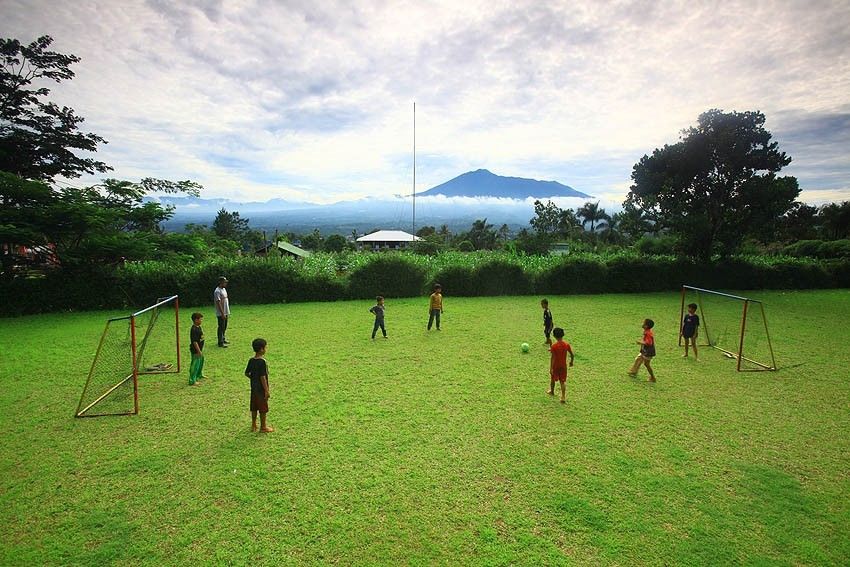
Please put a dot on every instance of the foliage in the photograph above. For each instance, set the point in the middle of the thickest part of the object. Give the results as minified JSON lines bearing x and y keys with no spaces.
{"x":387,"y":275}
{"x":532,"y":243}
{"x":38,"y":139}
{"x":718,"y":184}
{"x":834,"y":219}
{"x":552,"y":222}
{"x":330,"y":277}
{"x":819,"y":249}
{"x":335,"y":243}
{"x":593,"y":214}
{"x":481,"y":236}
{"x":313,"y":241}
{"x":230,"y":226}
{"x":654,"y":245}
{"x":575,"y":275}
{"x":102,"y":224}
{"x":499,"y":277}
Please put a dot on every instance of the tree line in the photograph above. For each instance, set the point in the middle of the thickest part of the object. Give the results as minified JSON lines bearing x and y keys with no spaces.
{"x":714,"y":192}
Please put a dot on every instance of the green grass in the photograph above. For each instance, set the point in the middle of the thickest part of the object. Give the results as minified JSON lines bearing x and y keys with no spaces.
{"x":436,"y":448}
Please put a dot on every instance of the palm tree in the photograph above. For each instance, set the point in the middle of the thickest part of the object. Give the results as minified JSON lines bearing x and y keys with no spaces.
{"x":591,"y":213}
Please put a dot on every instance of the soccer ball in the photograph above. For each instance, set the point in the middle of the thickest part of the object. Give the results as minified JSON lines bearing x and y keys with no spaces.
{"x":524,"y":347}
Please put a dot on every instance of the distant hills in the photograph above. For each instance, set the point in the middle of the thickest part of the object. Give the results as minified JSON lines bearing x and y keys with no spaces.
{"x":484,"y":183}
{"x":512,"y":207}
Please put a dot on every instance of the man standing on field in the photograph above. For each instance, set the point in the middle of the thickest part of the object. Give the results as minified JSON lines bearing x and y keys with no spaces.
{"x":222,"y":310}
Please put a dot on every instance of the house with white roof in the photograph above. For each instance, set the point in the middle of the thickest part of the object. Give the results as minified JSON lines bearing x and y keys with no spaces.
{"x":387,"y":240}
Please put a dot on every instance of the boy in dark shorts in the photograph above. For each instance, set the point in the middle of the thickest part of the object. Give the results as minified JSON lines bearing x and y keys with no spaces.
{"x":258,"y":371}
{"x":558,"y":363}
{"x":690,"y":329}
{"x":547,"y":321}
{"x":378,"y":311}
{"x":647,"y":350}
{"x":196,"y":348}
{"x":435,"y":306}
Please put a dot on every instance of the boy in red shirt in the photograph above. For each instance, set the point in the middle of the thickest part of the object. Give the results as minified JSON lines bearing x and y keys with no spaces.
{"x":558,"y":363}
{"x":647,"y":350}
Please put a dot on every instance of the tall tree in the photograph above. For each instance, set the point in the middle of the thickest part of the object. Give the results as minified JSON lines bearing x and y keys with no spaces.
{"x":100,"y":224}
{"x":230,"y":226}
{"x":481,"y":235}
{"x":551,"y":221}
{"x":835,"y":220}
{"x":38,"y":138}
{"x":799,"y":223}
{"x":632,"y":222}
{"x":591,"y":213}
{"x":718,"y":184}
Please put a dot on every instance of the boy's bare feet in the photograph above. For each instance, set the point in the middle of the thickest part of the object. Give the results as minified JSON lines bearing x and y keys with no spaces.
{"x":551,"y":393}
{"x":266,"y":429}
{"x":632,"y":374}
{"x":652,"y":378}
{"x":684,"y":356}
{"x":254,"y":428}
{"x":563,"y":401}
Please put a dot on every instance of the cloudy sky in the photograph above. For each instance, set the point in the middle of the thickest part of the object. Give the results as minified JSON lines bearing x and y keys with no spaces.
{"x":313,"y":100}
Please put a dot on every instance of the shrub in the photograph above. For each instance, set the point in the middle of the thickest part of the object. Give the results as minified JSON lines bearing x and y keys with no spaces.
{"x":804,"y":248}
{"x":327,"y":277}
{"x":502,"y":278}
{"x":656,"y":245}
{"x":645,"y":273}
{"x":579,"y":275}
{"x":456,"y":280}
{"x":834,"y":249}
{"x":387,"y":275}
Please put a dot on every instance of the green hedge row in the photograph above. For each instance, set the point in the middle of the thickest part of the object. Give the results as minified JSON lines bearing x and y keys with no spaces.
{"x":329,"y":278}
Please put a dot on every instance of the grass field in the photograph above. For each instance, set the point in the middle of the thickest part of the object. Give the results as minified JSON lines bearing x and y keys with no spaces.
{"x":436,"y":448}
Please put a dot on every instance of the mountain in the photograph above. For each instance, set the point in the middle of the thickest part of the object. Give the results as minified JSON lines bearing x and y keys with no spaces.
{"x":483,"y":183}
{"x":361,"y":215}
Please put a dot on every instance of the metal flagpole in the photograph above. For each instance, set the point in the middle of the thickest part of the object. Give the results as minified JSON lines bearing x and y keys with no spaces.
{"x":414,"y":174}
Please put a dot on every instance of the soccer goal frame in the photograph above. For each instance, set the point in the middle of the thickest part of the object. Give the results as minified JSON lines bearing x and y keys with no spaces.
{"x":747,"y":304}
{"x":138,"y":341}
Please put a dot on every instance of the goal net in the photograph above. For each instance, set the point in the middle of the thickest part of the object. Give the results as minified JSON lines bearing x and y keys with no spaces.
{"x":734,"y":325}
{"x":145,"y":342}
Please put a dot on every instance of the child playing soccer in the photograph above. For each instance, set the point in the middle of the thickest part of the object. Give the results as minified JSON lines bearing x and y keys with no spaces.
{"x":196,"y":348}
{"x":547,"y":321}
{"x":378,"y":311}
{"x":435,"y":307}
{"x":647,"y":350}
{"x":690,"y":329}
{"x":558,"y":363}
{"x":258,"y":371}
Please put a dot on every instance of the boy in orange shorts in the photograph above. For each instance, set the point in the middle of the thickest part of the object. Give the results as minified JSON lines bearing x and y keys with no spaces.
{"x":558,"y":363}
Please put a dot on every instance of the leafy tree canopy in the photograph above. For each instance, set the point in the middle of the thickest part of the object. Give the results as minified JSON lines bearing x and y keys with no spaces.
{"x":593,"y":214}
{"x":718,"y":184}
{"x":38,"y":139}
{"x":552,"y":221}
{"x":99,"y":224}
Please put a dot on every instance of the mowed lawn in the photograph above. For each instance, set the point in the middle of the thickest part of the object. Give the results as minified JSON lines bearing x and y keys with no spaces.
{"x":436,"y":448}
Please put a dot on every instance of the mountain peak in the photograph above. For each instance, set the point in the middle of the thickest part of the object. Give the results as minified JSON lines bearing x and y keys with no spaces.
{"x":485,"y":183}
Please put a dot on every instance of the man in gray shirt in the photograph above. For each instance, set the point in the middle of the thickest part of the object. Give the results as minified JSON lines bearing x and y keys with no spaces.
{"x":222,"y":310}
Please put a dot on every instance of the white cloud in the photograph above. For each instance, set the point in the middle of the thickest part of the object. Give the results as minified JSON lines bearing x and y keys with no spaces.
{"x":312,"y":100}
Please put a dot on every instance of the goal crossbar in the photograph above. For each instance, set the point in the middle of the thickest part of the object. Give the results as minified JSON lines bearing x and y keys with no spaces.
{"x":137,"y":346}
{"x":739,"y":354}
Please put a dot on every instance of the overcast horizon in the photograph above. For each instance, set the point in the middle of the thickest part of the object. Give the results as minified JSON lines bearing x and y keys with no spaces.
{"x":313,"y":101}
